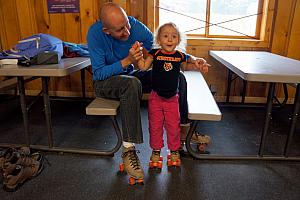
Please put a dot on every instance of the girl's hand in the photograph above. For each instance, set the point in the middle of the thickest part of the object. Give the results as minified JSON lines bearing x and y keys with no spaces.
{"x":137,"y":45}
{"x":201,"y":65}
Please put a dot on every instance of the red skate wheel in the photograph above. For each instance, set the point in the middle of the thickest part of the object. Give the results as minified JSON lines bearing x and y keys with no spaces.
{"x":178,"y":162}
{"x":131,"y":181}
{"x":150,"y":164}
{"x":122,"y":167}
{"x":169,"y":163}
{"x":201,"y":147}
{"x":159,"y":164}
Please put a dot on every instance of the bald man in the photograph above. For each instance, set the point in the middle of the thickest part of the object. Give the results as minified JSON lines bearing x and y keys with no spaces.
{"x":109,"y":42}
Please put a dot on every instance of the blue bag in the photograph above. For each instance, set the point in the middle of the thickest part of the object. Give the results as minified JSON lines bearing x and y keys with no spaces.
{"x":31,"y":46}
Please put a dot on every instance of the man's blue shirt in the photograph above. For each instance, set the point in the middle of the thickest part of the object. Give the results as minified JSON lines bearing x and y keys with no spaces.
{"x":106,"y":52}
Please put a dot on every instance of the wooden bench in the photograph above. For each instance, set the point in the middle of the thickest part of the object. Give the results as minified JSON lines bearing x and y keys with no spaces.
{"x":107,"y":107}
{"x":202,"y":106}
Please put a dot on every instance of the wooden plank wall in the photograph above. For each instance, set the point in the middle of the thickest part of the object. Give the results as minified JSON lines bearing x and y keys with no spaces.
{"x":287,"y":33}
{"x":21,"y":18}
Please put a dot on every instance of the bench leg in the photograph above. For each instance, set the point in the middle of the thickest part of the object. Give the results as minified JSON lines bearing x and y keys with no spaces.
{"x":188,"y":139}
{"x":118,"y":133}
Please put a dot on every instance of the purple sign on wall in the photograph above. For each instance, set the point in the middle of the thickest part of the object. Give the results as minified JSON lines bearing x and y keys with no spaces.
{"x":63,"y":6}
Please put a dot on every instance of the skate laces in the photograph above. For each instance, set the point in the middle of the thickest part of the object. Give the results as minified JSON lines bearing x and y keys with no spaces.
{"x":133,"y":158}
{"x":175,"y":156}
{"x":156,"y":153}
{"x":155,"y":156}
{"x":174,"y":153}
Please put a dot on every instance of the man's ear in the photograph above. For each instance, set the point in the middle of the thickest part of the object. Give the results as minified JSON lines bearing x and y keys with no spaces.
{"x":105,"y":30}
{"x":158,"y":42}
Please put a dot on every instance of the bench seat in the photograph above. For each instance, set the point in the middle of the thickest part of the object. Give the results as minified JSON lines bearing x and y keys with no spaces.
{"x":106,"y":107}
{"x":101,"y":106}
{"x":201,"y":103}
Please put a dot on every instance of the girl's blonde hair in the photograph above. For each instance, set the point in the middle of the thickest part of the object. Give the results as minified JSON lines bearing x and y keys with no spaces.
{"x":182,"y":37}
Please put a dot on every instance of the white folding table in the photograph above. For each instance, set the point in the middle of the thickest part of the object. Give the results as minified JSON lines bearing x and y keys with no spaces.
{"x":260,"y":66}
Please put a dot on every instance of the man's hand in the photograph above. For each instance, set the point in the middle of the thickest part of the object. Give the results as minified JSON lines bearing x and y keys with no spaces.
{"x":135,"y":52}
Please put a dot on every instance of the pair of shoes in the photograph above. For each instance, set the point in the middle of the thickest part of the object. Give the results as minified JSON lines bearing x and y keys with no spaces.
{"x":155,"y":159}
{"x":132,"y":165}
{"x":19,"y":175}
{"x":9,"y":152}
{"x":18,"y":165}
{"x":174,"y":158}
